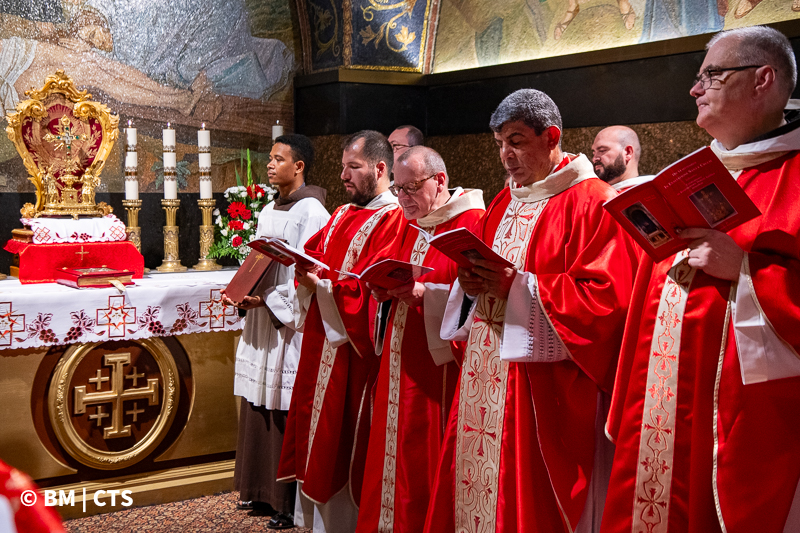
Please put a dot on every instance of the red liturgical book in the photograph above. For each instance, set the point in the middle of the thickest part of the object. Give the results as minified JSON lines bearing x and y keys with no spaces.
{"x":694,"y":192}
{"x":287,"y":255}
{"x":390,"y":273}
{"x":84,"y":278}
{"x":461,"y":245}
{"x":247,"y":278}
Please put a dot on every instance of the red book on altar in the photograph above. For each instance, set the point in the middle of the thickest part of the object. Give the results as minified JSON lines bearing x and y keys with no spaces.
{"x":40,"y":263}
{"x":84,"y":278}
{"x":390,"y":273}
{"x":247,"y":278}
{"x":461,"y":245}
{"x":694,"y":192}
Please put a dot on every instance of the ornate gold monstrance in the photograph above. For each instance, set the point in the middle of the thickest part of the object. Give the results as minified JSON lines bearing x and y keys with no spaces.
{"x":64,"y":138}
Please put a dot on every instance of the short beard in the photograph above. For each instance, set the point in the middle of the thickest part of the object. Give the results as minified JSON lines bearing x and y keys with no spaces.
{"x":365,"y":196}
{"x":613,"y":171}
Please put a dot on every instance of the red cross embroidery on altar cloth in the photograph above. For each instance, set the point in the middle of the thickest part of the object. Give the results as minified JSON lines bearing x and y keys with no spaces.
{"x":215,"y":310}
{"x":116,"y":316}
{"x":9,"y":323}
{"x":41,"y":235}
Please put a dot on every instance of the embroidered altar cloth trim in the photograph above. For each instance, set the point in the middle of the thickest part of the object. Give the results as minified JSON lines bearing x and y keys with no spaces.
{"x":157,"y":305}
{"x":54,"y":230}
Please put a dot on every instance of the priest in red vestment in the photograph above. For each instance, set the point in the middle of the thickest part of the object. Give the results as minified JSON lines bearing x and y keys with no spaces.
{"x":327,"y":430}
{"x":524,"y":449}
{"x":418,"y":370}
{"x":707,"y":399}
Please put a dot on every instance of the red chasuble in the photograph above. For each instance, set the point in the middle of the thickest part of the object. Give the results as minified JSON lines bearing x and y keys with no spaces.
{"x":413,"y":393}
{"x":519,"y":449}
{"x":680,"y":405}
{"x":327,"y":428}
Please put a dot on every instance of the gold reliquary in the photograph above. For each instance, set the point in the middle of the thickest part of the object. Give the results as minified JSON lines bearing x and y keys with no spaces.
{"x":64,"y":139}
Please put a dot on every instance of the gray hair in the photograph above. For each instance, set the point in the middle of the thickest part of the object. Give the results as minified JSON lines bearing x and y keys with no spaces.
{"x":432,"y":162}
{"x":531,"y":107}
{"x":761,"y":45}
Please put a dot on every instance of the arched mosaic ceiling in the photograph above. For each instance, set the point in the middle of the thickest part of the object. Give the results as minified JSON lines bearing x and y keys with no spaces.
{"x":445,"y":35}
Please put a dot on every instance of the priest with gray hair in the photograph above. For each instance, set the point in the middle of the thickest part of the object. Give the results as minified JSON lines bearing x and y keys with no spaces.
{"x":707,"y":397}
{"x":542,"y":326}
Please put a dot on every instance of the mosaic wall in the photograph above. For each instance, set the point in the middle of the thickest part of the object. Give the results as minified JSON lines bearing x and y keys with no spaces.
{"x":475,"y":33}
{"x":370,"y":34}
{"x":444,"y":35}
{"x":473,"y":161}
{"x":227,"y":64}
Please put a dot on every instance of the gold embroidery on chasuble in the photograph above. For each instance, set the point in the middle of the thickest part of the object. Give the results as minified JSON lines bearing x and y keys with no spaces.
{"x":657,"y":441}
{"x":355,"y":247}
{"x":386,"y":519}
{"x":484,"y":380}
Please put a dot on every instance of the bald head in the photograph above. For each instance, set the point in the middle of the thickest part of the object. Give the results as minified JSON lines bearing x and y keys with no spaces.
{"x":615,"y":154}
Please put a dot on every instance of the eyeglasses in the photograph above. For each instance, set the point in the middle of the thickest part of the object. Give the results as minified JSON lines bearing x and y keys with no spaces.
{"x":397,"y":146}
{"x":707,"y":78}
{"x":410,"y":188}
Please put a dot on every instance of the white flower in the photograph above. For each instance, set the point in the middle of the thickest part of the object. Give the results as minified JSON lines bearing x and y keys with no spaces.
{"x":242,"y":188}
{"x":216,"y":212}
{"x":243,"y":194}
{"x":259,"y":195}
{"x":244,"y":250}
{"x":256,"y":213}
{"x":246,"y":226}
{"x":219,"y":219}
{"x":224,"y":232}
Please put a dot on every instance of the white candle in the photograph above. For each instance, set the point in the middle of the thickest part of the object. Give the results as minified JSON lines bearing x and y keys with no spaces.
{"x":203,"y":138}
{"x":277,"y":130}
{"x":131,"y":135}
{"x":170,"y":188}
{"x":169,"y":160}
{"x":131,"y":188}
{"x":131,"y":160}
{"x":205,"y":161}
{"x":168,"y":135}
{"x":205,"y":187}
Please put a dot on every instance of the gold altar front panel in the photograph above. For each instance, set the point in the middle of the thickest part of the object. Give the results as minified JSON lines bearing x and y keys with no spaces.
{"x":204,"y":429}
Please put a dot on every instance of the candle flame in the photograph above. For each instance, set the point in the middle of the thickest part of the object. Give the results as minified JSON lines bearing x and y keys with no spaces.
{"x":129,"y":123}
{"x":203,"y":126}
{"x":167,"y":125}
{"x":277,"y":122}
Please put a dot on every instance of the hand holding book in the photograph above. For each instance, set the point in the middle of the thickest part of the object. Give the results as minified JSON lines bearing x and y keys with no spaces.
{"x":694,"y":192}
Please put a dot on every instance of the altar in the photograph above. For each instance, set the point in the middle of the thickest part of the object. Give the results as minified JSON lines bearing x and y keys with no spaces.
{"x":104,"y":390}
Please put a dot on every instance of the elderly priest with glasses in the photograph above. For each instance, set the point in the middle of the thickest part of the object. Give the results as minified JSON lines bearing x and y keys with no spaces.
{"x":707,"y":399}
{"x":418,"y":370}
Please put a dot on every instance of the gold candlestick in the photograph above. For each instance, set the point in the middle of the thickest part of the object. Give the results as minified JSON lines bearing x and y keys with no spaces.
{"x":172,"y":261}
{"x":206,"y":236}
{"x":133,"y":230}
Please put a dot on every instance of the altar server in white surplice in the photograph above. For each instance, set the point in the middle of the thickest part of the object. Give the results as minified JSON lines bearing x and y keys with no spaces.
{"x":269,"y":350}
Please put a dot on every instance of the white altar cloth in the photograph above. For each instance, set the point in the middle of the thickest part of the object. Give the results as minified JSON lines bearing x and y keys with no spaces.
{"x":158,"y":305}
{"x":97,"y":229}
